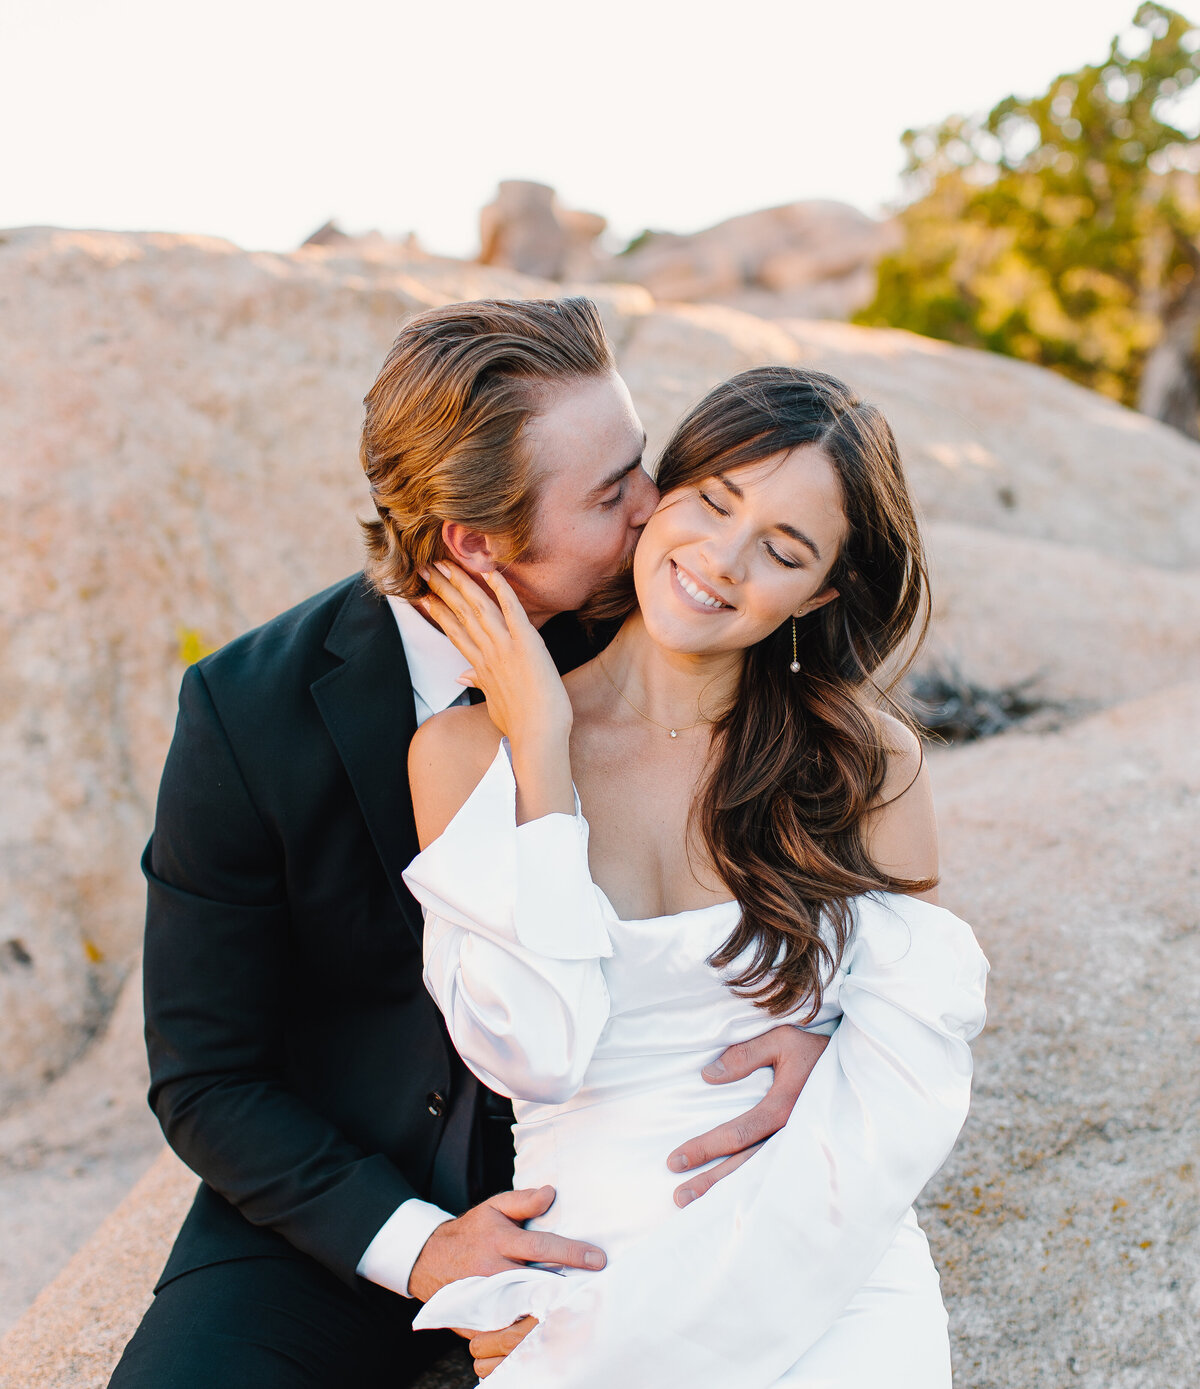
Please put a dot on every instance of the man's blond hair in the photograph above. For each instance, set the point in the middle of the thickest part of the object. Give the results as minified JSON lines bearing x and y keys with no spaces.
{"x":443,"y":435}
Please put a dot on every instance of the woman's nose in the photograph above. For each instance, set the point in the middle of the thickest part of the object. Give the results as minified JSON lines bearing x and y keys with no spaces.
{"x":723,"y":557}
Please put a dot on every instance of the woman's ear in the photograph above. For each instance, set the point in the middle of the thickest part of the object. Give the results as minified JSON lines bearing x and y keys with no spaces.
{"x":818,"y":600}
{"x":473,"y":550}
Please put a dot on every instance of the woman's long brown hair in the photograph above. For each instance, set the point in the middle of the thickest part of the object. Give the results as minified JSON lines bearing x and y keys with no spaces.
{"x":799,"y":759}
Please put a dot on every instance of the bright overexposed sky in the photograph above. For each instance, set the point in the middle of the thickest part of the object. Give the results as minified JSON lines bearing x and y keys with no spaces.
{"x":256,"y":120}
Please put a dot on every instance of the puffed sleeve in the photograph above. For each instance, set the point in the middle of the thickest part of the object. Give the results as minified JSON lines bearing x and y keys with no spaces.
{"x":737,"y":1286}
{"x":514,"y":939}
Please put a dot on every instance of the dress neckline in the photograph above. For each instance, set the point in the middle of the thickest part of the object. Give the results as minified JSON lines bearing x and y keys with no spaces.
{"x":665,"y":916}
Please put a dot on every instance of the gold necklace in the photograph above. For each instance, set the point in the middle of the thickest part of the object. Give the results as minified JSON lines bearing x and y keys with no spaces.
{"x":674,"y":732}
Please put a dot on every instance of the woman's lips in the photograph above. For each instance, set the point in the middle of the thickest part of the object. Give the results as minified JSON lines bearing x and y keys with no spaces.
{"x":681,"y":576}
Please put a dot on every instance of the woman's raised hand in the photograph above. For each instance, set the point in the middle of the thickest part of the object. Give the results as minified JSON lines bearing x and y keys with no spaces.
{"x":507,"y":657}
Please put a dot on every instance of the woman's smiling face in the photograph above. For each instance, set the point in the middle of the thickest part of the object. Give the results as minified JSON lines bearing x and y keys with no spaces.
{"x":724,"y":561}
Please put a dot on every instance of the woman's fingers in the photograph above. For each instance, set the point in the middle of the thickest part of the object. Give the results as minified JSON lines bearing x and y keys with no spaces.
{"x":515,"y":617}
{"x":484,"y":619}
{"x":445,"y":617}
{"x":460,"y":589}
{"x":465,"y":599}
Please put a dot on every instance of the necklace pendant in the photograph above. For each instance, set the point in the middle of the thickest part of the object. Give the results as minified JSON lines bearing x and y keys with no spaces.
{"x":673,"y":733}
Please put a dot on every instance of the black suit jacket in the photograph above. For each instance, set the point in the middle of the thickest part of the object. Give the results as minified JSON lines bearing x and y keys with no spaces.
{"x":297,"y":1063}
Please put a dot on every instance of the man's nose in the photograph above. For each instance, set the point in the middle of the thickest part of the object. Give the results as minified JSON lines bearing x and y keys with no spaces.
{"x":645,"y":499}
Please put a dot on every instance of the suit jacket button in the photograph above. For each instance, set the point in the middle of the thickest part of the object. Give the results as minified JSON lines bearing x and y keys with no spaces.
{"x":435,"y":1103}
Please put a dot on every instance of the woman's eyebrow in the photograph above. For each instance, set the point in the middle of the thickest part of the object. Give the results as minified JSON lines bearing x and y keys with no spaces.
{"x":780,"y":526}
{"x":801,"y":537}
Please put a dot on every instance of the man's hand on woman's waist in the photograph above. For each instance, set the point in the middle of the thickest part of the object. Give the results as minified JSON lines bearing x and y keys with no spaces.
{"x":490,"y":1238}
{"x":793,"y":1053}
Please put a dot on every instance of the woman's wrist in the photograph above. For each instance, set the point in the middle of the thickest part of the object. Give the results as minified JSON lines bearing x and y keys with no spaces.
{"x":542,"y":770}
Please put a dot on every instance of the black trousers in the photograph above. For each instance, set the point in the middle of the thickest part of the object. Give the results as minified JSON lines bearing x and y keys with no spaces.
{"x":270,"y":1323}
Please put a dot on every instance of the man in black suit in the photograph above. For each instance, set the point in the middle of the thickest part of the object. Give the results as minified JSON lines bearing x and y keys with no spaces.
{"x":298,"y":1065}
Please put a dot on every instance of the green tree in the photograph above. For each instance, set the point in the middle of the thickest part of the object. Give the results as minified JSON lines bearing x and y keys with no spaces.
{"x":1065,"y":228}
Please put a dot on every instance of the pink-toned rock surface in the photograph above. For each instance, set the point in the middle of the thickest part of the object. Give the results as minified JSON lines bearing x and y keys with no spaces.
{"x":68,"y":1156}
{"x":803,"y":260}
{"x":526,"y":228}
{"x":179,"y":423}
{"x":998,"y":443}
{"x":73,"y":1334}
{"x":1084,"y":626}
{"x":166,"y":446}
{"x":177,"y":412}
{"x":1067,"y":1221}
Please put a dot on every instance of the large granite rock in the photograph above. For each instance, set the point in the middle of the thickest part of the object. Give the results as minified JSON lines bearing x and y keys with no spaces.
{"x":179,"y":462}
{"x":526,"y":228}
{"x":180,"y":425}
{"x":1083,"y":627}
{"x":176,"y":414}
{"x":68,"y":1156}
{"x":1067,"y":1221}
{"x":999,"y":443}
{"x":802,"y":260}
{"x":75,"y":1331}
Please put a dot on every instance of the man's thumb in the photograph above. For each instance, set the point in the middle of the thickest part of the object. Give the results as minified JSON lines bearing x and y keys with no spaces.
{"x":525,"y":1204}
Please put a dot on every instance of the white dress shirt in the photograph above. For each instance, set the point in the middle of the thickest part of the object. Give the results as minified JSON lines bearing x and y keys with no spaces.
{"x":433,"y":666}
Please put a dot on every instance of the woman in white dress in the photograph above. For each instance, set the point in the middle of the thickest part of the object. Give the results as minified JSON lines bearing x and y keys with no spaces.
{"x":711,"y":827}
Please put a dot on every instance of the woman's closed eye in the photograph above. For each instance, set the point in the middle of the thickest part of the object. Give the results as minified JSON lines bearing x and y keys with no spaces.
{"x":771,"y":550}
{"x":712,"y":506}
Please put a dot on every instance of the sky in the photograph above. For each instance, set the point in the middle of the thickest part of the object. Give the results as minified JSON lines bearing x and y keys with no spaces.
{"x":256,"y":120}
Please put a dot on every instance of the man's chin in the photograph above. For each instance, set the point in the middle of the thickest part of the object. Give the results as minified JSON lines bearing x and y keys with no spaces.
{"x":624,"y":571}
{"x":614,"y":599}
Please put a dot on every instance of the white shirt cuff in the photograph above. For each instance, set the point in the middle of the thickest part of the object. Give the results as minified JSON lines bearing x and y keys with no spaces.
{"x":388,"y":1260}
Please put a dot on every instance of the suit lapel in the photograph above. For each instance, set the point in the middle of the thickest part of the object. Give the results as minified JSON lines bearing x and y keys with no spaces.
{"x":367,"y":705}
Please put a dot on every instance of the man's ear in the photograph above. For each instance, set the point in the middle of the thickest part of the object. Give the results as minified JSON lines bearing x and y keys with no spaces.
{"x":475,"y":551}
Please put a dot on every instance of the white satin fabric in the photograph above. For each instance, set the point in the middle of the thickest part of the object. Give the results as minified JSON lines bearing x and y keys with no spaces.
{"x":806,"y":1266}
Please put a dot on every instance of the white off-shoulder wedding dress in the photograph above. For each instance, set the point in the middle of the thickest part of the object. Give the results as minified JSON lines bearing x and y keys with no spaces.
{"x":805,"y":1267}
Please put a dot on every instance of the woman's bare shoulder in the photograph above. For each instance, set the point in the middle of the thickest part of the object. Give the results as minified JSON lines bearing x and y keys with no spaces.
{"x":447,"y":758}
{"x":901,"y":829}
{"x":904,"y":753}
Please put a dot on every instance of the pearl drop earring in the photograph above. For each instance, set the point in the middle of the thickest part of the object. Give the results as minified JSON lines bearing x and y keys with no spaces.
{"x":795,"y":665}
